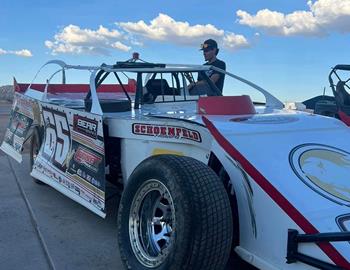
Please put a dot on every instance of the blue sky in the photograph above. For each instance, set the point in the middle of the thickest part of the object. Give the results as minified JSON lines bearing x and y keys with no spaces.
{"x":287,"y":47}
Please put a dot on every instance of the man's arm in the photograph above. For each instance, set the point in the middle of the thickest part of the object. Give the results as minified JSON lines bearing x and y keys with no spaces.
{"x":215,"y":77}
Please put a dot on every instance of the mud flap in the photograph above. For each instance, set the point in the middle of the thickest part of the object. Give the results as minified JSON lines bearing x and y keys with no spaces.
{"x":71,"y":158}
{"x":25,"y":114}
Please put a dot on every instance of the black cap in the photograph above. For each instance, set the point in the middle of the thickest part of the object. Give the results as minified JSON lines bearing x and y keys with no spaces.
{"x":209,"y":44}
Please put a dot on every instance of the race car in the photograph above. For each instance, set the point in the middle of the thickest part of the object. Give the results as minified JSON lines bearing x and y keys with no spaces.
{"x":339,"y":105}
{"x":202,"y":177}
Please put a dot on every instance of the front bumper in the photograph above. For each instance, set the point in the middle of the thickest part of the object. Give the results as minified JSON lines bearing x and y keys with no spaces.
{"x":294,"y":238}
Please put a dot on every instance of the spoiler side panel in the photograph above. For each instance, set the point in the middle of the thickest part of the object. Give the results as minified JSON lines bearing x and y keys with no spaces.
{"x":25,"y":114}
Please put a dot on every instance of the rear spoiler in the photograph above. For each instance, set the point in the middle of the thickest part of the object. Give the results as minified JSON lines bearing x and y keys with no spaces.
{"x":130,"y":87}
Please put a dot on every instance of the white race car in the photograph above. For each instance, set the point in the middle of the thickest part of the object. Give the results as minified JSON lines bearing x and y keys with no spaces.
{"x":202,"y":177}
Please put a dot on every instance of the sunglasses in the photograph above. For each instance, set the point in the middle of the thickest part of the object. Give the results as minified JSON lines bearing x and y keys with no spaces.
{"x":208,"y":49}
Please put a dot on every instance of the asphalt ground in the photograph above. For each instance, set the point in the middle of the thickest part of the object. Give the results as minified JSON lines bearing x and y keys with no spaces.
{"x":42,"y":229}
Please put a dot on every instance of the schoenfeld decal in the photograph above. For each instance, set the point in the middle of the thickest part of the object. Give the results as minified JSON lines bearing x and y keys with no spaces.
{"x":164,"y":131}
{"x":324,"y":169}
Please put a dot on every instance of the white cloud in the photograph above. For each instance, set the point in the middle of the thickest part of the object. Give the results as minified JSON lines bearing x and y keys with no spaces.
{"x":164,"y":28}
{"x":322,"y":17}
{"x":120,"y":46}
{"x":234,"y":42}
{"x":22,"y":53}
{"x":74,"y":40}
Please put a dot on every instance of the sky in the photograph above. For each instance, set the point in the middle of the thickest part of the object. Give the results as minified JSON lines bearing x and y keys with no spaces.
{"x":286,"y":47}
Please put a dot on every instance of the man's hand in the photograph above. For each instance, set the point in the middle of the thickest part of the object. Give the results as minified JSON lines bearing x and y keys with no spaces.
{"x":191,"y":85}
{"x":189,"y":77}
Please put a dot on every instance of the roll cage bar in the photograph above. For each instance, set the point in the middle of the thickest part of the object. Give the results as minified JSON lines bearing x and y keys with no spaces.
{"x":100,"y":73}
{"x":338,"y":89}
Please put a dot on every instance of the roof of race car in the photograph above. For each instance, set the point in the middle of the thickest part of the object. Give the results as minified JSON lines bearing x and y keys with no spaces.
{"x":133,"y":67}
{"x":271,"y":101}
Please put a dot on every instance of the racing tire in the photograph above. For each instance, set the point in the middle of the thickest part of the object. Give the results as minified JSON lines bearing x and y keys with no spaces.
{"x":174,"y":214}
{"x":35,"y":143}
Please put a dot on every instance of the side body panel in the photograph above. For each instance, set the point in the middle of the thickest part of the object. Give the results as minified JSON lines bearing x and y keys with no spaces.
{"x":143,"y":138}
{"x":71,"y":158}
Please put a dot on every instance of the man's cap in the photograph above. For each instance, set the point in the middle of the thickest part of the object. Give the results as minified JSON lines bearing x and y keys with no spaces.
{"x":209,"y":44}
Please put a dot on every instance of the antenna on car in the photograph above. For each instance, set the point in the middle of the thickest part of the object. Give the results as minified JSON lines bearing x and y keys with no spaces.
{"x":136,"y":62}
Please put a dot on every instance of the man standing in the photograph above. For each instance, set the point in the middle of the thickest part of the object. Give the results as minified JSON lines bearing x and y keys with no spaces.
{"x":210,"y":51}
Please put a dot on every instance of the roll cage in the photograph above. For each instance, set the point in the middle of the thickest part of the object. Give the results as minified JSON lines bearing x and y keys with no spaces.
{"x":341,"y":87}
{"x":179,"y":75}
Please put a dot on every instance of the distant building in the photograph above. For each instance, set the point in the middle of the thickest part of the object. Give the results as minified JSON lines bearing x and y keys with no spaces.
{"x":311,"y":103}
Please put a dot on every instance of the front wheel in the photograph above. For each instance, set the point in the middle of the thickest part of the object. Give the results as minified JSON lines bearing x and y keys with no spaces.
{"x":174,"y":214}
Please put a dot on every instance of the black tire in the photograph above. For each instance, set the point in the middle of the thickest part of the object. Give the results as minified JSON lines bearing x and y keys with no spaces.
{"x":35,"y":143}
{"x":198,"y":223}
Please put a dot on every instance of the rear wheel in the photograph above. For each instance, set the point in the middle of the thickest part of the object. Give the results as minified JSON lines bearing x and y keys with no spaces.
{"x":35,"y":143}
{"x":174,"y":214}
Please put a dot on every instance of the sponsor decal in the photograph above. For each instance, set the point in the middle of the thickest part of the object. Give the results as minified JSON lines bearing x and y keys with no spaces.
{"x":164,"y":131}
{"x":17,"y":130}
{"x":85,"y":193}
{"x":343,"y":222}
{"x":19,"y":124}
{"x":87,"y":158}
{"x":86,"y":164}
{"x":24,"y":105}
{"x":324,"y":169}
{"x":85,"y":126}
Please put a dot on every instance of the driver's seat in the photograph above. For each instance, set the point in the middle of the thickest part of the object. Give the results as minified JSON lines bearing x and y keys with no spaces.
{"x":158,"y":87}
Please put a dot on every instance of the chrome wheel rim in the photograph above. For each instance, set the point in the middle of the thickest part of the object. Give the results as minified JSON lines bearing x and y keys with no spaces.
{"x":152,"y":223}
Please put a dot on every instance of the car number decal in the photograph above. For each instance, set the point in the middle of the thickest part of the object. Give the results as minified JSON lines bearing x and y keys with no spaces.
{"x":324,"y":169}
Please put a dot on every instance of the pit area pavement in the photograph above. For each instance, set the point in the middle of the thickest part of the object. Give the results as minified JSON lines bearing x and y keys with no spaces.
{"x":42,"y":229}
